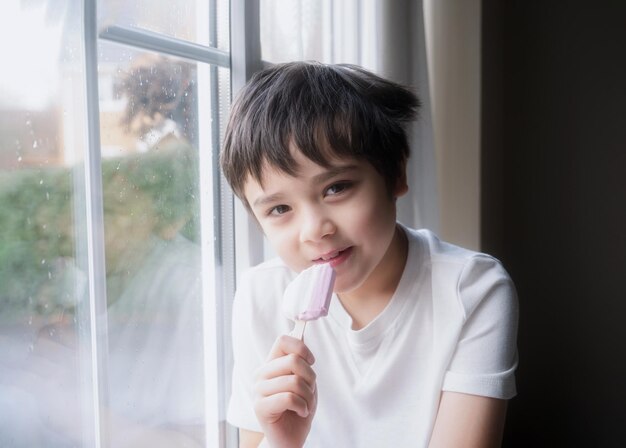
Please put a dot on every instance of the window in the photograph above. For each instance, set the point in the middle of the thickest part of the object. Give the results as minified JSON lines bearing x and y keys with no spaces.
{"x":116,"y":241}
{"x":117,"y":232}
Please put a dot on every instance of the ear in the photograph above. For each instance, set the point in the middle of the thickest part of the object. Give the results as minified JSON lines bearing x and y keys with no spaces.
{"x":401,"y":186}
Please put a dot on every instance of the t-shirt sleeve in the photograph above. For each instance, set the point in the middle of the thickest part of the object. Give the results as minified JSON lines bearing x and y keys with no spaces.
{"x":256,"y":324}
{"x":485,"y":358}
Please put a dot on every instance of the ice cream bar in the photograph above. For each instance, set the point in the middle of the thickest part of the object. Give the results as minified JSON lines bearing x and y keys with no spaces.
{"x":308,"y":296}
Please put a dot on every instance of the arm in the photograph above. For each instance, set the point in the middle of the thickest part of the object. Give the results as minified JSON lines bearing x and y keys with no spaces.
{"x":470,"y":421}
{"x":249,"y":439}
{"x":484,"y":361}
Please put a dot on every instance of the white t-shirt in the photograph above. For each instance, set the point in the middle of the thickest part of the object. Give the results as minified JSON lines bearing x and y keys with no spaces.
{"x":451,"y":325}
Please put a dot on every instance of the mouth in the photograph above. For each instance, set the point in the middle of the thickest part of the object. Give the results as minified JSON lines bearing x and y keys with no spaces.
{"x":334,"y":258}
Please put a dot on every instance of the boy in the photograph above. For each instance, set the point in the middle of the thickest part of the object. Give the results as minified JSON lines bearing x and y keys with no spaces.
{"x":418,"y":348}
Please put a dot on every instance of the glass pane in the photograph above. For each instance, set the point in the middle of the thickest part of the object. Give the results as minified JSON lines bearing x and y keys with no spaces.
{"x":151,"y":194}
{"x":295,"y":30}
{"x":184,"y":19}
{"x":45,"y":389}
{"x":150,"y":110}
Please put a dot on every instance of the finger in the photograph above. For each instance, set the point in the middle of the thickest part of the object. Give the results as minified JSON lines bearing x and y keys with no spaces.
{"x":273,"y":407}
{"x":287,"y":383}
{"x":285,"y":345}
{"x":312,"y":403}
{"x":286,"y":365}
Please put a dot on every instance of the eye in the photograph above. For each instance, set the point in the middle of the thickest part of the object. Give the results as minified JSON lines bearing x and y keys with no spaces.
{"x":337,"y":188}
{"x":278,"y":210}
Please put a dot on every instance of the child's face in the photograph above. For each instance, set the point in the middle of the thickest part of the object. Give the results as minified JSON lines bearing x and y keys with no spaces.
{"x":343,"y":213}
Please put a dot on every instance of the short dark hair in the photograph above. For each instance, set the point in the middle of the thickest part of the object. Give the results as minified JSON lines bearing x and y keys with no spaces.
{"x":316,"y":106}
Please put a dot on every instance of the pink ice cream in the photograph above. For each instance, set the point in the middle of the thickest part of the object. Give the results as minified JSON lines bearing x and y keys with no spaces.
{"x":308,"y":296}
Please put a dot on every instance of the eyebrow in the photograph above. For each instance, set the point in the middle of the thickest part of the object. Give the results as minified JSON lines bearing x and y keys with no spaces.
{"x":263,"y":200}
{"x":332,"y":172}
{"x":320,"y":178}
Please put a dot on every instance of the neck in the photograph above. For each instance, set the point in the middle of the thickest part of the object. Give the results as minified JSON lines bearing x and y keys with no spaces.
{"x":369,"y":300}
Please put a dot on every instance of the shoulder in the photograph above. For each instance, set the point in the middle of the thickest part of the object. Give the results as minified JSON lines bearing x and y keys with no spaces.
{"x":260,"y":289}
{"x":469,"y":277}
{"x":272,"y":274}
{"x":442,"y":252}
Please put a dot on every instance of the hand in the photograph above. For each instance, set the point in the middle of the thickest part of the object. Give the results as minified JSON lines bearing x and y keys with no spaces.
{"x":286,"y":394}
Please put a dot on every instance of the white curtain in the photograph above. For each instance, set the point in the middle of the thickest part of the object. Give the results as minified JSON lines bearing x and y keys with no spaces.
{"x":387,"y":37}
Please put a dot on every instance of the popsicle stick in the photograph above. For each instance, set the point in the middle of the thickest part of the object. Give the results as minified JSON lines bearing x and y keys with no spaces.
{"x":298,"y":329}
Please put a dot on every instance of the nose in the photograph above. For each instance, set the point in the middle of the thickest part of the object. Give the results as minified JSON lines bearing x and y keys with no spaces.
{"x":316,"y":225}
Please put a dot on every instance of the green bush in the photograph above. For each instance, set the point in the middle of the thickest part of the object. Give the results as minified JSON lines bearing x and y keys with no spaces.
{"x":37,"y":233}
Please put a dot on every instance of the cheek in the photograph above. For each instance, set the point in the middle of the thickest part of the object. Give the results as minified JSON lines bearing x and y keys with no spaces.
{"x":285,"y":244}
{"x":372,"y":218}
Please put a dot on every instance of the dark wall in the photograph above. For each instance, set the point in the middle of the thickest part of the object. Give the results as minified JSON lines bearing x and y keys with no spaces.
{"x":554,"y":210}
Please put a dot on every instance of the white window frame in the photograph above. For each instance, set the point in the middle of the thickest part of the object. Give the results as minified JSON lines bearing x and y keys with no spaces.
{"x":218,"y":263}
{"x":245,"y":44}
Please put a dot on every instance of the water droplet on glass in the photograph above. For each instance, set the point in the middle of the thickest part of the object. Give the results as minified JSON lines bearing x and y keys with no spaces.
{"x":35,"y":144}
{"x":49,"y":275}
{"x":47,"y":196}
{"x":43,"y":261}
{"x":31,"y":347}
{"x":41,"y":182}
{"x":19,"y":159}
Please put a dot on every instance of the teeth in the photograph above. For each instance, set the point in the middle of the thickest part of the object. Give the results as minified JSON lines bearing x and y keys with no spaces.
{"x":328,"y":257}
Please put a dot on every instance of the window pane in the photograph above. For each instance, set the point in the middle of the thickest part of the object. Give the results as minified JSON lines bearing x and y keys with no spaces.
{"x":151,"y":195}
{"x":294,"y":30}
{"x":45,"y":389}
{"x":184,"y":19}
{"x":158,"y":294}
